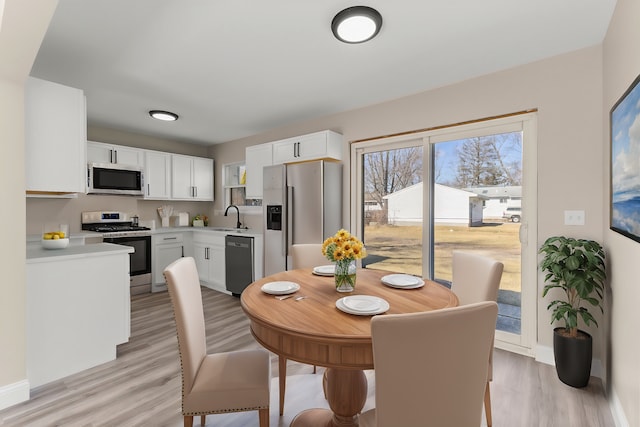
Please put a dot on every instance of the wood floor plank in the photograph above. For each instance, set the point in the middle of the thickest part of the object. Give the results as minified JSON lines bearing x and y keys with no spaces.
{"x":142,"y":386}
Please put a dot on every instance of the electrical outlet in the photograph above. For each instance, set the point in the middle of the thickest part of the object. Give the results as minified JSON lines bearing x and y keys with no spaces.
{"x":573,"y":217}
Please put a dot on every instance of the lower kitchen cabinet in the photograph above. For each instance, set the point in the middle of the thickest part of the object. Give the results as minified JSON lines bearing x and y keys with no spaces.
{"x":78,"y":308}
{"x":208,"y":251}
{"x":166,"y":248}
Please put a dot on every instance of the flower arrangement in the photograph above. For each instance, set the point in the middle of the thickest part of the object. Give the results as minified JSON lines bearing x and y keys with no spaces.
{"x":343,"y":248}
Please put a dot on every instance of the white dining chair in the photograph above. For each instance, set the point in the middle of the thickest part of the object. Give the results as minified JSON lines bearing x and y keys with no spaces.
{"x":431,"y":367}
{"x":212,"y":383}
{"x":307,"y":255}
{"x":477,"y":278}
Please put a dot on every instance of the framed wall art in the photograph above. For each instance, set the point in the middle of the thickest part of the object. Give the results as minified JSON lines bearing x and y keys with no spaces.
{"x":625,"y":163}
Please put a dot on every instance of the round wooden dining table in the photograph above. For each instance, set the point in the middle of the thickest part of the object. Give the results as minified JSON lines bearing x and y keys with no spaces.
{"x":313,"y":330}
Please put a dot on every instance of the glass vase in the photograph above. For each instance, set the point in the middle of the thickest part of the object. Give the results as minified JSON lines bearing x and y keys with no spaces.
{"x":345,"y":275}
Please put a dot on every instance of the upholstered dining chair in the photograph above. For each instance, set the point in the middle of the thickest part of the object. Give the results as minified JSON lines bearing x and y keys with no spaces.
{"x":477,"y":278}
{"x":212,"y":383}
{"x":431,"y":367}
{"x":307,"y":255}
{"x":303,"y":255}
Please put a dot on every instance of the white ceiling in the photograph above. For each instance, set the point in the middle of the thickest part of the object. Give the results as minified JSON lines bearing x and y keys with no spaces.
{"x":232,"y":69}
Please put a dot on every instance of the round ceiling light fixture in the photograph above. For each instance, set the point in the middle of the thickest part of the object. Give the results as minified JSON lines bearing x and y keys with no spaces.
{"x":356,"y":24}
{"x":167,"y":116}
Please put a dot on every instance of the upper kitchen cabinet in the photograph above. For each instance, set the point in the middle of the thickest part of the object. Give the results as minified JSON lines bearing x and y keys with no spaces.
{"x":191,"y":178}
{"x":157,"y":175}
{"x":319,"y":145}
{"x":98,"y":152}
{"x":56,"y":131}
{"x":256,"y":158}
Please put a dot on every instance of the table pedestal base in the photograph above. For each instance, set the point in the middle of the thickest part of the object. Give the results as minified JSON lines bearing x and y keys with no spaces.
{"x":346,"y":393}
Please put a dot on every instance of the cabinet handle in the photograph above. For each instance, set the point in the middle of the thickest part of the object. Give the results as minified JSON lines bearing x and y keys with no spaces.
{"x":206,"y":253}
{"x":148,"y":190}
{"x":169,"y":238}
{"x":115,"y":152}
{"x":110,"y":156}
{"x":182,"y":247}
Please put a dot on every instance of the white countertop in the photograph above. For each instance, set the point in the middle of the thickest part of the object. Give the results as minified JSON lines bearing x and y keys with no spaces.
{"x":248,"y":232}
{"x":77,"y":235}
{"x":39,"y":254}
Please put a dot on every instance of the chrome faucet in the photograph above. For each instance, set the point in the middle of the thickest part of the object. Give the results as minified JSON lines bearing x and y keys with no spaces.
{"x":238,"y":225}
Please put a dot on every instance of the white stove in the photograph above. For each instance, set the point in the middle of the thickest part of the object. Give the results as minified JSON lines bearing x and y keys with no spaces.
{"x":113,"y":224}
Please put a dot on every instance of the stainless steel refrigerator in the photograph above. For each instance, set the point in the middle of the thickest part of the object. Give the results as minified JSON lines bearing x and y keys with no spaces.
{"x":302,"y":203}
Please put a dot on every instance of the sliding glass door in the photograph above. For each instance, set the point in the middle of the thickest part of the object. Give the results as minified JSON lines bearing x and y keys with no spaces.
{"x":468,"y":187}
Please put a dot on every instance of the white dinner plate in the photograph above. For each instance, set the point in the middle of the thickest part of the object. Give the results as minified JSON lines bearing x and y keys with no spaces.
{"x":363,"y":305}
{"x":280,"y":288}
{"x":402,"y":281}
{"x":324,"y":270}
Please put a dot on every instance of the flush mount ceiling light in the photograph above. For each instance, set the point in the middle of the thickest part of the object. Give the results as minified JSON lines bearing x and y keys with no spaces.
{"x":356,"y":24}
{"x":167,"y":116}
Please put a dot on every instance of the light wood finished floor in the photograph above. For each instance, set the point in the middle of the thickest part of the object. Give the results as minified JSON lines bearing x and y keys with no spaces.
{"x":142,"y":386}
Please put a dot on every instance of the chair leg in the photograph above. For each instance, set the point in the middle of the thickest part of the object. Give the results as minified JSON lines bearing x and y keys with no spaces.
{"x":282,"y":377}
{"x":324,"y":383}
{"x":203,"y":420}
{"x":188,"y":421}
{"x":263,"y":415}
{"x":487,"y":404}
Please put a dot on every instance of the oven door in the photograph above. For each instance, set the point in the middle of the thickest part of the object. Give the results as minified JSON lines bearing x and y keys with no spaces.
{"x":139,"y":260}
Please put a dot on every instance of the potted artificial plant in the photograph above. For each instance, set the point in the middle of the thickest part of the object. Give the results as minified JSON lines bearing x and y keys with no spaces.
{"x":577,"y":268}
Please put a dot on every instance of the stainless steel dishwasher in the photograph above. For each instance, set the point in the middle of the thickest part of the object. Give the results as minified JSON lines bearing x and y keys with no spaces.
{"x":238,"y":262}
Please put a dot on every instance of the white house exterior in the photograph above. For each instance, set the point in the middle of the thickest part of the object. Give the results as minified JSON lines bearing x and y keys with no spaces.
{"x":498,"y":199}
{"x":452,"y":206}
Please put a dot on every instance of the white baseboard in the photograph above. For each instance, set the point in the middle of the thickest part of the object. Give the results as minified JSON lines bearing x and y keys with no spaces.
{"x":13,"y":394}
{"x":619,"y":418}
{"x":544,"y":354}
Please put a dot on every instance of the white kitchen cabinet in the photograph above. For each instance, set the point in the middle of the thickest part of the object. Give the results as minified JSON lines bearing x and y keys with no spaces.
{"x":191,"y":178}
{"x":78,"y":308}
{"x":56,"y":129}
{"x":319,"y":145}
{"x":208,"y":251}
{"x":256,"y":158}
{"x":157,"y":175}
{"x":99,"y":152}
{"x":166,"y":248}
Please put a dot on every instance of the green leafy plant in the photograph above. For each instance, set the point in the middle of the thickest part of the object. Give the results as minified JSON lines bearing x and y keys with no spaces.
{"x":577,"y":267}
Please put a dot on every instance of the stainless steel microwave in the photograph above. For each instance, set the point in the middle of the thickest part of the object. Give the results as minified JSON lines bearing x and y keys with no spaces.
{"x":109,"y":178}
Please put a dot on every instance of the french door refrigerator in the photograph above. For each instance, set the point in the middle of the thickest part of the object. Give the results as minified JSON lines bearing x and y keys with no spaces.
{"x":302,"y":203}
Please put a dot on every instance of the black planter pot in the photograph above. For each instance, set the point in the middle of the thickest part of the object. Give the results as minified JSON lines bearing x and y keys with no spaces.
{"x":573,"y":357}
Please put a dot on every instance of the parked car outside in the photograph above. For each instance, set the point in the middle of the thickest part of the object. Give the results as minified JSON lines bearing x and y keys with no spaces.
{"x":512,"y":214}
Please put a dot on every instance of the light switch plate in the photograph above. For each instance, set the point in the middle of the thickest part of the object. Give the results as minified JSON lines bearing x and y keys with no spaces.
{"x":573,"y":217}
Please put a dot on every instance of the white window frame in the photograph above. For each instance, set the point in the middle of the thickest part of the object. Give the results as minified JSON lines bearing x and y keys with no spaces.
{"x":527,"y":122}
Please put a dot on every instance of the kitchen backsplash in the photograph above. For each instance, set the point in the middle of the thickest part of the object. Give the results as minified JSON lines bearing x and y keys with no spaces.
{"x":68,"y":211}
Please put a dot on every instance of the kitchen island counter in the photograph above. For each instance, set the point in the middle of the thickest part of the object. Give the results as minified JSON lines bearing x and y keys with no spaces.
{"x":78,"y":308}
{"x":39,"y":254}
